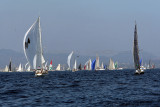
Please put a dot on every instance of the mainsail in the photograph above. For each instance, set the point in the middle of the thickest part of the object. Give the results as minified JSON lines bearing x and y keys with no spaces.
{"x":32,"y":45}
{"x":69,"y":60}
{"x":136,"y":50}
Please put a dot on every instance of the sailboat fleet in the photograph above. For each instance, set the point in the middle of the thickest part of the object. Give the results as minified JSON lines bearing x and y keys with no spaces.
{"x":33,"y":51}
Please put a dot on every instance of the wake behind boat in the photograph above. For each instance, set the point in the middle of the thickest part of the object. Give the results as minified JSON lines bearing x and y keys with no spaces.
{"x":138,"y":68}
{"x":32,"y":45}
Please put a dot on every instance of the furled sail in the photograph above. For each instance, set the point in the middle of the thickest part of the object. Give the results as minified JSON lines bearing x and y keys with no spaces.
{"x":32,"y":45}
{"x":136,"y":50}
{"x":69,"y":60}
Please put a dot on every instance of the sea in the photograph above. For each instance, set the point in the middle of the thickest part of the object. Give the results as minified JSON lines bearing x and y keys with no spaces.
{"x":117,"y":88}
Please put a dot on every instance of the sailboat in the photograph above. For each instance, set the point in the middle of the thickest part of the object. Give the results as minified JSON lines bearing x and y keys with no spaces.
{"x":93,"y":64}
{"x":136,"y":53}
{"x":87,"y":65}
{"x":32,"y":45}
{"x":58,"y":67}
{"x":111,"y":65}
{"x":69,"y":60}
{"x":80,"y":67}
{"x":6,"y":69}
{"x":74,"y":66}
{"x":10,"y":67}
{"x":20,"y":68}
{"x":50,"y":66}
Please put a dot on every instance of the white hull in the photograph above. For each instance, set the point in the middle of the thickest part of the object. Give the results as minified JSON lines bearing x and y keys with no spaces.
{"x":40,"y":72}
{"x":139,"y":71}
{"x":100,"y":69}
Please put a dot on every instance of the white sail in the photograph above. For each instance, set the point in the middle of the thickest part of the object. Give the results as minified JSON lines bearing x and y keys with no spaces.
{"x":6,"y":69}
{"x":75,"y":65}
{"x":111,"y":65}
{"x":102,"y":66}
{"x":58,"y":67}
{"x":97,"y":63}
{"x":86,"y":64}
{"x":90,"y":65}
{"x":32,"y":45}
{"x":69,"y":60}
{"x":29,"y":68}
{"x":19,"y":68}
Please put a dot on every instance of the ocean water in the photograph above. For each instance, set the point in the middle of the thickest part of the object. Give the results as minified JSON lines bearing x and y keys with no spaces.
{"x":80,"y":89}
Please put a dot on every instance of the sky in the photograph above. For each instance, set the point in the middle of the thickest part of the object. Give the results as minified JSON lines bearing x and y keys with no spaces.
{"x":84,"y":26}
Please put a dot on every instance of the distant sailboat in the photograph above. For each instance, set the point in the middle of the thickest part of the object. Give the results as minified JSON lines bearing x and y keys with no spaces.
{"x":90,"y":65}
{"x":87,"y":65}
{"x":50,"y":66}
{"x":6,"y":69}
{"x":93,"y":64}
{"x":10,"y":66}
{"x":111,"y":65}
{"x":97,"y":63}
{"x":80,"y":67}
{"x":32,"y":45}
{"x":58,"y":67}
{"x":74,"y":66}
{"x":69,"y":60}
{"x":20,"y":68}
{"x":136,"y":53}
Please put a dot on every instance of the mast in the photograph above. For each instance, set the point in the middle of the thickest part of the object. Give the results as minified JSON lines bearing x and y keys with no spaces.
{"x":135,"y":49}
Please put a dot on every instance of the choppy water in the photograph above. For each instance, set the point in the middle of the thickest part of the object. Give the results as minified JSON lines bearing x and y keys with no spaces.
{"x":80,"y":89}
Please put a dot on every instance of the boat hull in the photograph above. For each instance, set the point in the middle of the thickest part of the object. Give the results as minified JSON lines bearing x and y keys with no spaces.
{"x":40,"y":72}
{"x":139,"y":72}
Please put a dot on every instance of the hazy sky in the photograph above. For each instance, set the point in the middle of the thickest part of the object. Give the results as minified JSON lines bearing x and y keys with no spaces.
{"x":82,"y":25}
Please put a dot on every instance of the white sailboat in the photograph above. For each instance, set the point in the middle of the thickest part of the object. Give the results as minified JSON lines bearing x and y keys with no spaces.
{"x":97,"y":67}
{"x":32,"y":45}
{"x":74,"y":66}
{"x":69,"y":60}
{"x":6,"y":69}
{"x":20,"y":68}
{"x":90,"y":65}
{"x":58,"y":67}
{"x":111,"y":65}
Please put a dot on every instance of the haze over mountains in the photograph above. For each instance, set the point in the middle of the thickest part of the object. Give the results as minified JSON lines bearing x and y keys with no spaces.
{"x":124,"y":59}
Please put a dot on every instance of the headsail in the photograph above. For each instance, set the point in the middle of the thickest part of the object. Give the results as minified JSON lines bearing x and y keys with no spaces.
{"x":32,"y":46}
